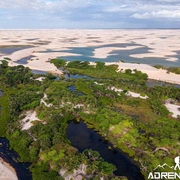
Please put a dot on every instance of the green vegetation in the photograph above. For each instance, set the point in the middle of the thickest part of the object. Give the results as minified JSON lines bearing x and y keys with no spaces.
{"x":58,"y":62}
{"x":175,"y":70}
{"x":103,"y":71}
{"x":142,"y":128}
{"x":4,"y":114}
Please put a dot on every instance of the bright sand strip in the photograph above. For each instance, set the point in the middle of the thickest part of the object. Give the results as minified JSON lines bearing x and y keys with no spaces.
{"x":40,"y":79}
{"x":27,"y":121}
{"x":174,"y":109}
{"x":6,"y":171}
{"x":38,"y":63}
{"x":43,"y":101}
{"x":160,"y":43}
{"x":153,"y":73}
{"x":156,"y":55}
{"x":129,"y":93}
{"x":104,"y":52}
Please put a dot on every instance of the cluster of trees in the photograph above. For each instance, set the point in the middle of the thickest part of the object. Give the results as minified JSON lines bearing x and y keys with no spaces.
{"x":58,"y":62}
{"x":140,"y":127}
{"x":100,"y":70}
{"x":46,"y":141}
{"x":14,"y":75}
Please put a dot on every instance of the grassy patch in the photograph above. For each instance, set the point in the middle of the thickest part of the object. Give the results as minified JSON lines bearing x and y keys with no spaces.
{"x":142,"y":111}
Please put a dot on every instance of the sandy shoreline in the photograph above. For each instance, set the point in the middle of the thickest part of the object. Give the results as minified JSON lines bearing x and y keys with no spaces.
{"x":43,"y":64}
{"x":153,"y":73}
{"x":7,"y":172}
{"x":48,"y":44}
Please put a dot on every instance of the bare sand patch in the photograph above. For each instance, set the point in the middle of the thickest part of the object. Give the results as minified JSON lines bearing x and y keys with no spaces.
{"x":7,"y":172}
{"x":174,"y":109}
{"x":129,"y":93}
{"x":54,"y":40}
{"x":153,"y":73}
{"x":62,"y":39}
{"x":104,"y":52}
{"x":156,"y":55}
{"x":40,"y":79}
{"x":77,"y":174}
{"x":43,"y":101}
{"x":27,"y":121}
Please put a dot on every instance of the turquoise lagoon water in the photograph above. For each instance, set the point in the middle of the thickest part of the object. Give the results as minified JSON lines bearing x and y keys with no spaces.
{"x":86,"y":54}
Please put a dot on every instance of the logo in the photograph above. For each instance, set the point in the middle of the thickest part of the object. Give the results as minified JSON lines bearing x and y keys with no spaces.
{"x":177,"y":161}
{"x":171,"y":174}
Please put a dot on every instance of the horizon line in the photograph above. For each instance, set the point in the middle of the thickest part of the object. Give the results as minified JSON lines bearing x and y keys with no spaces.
{"x":89,"y":28}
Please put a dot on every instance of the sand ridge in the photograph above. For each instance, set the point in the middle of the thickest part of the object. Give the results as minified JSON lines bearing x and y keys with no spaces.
{"x":153,"y":73}
{"x":48,"y":44}
{"x":161,"y":43}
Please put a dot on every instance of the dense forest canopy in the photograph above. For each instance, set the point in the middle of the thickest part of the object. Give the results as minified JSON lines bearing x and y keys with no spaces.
{"x":142,"y":128}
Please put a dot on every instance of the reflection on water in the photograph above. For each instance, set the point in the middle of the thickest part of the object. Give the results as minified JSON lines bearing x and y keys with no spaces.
{"x":83,"y":138}
{"x":22,"y":169}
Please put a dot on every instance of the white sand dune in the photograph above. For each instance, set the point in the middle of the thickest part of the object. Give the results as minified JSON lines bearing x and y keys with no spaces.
{"x":174,"y":109}
{"x":104,"y":52}
{"x":153,"y":73}
{"x":159,"y":43}
{"x":7,"y":172}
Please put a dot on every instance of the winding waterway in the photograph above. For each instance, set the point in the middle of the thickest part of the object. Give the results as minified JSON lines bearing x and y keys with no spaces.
{"x":11,"y":157}
{"x":83,"y":138}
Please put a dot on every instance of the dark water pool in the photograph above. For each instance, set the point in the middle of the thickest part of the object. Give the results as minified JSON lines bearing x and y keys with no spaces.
{"x":11,"y":157}
{"x":76,"y":76}
{"x":73,"y":89}
{"x":24,"y":60}
{"x":83,"y":138}
{"x":153,"y":83}
{"x":38,"y":72}
{"x":11,"y":49}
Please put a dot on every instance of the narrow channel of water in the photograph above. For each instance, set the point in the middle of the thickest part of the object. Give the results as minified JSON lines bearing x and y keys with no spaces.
{"x":10,"y":156}
{"x":83,"y":138}
{"x":152,"y":83}
{"x":1,"y":93}
{"x":77,"y":76}
{"x":38,"y":72}
{"x":149,"y":82}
